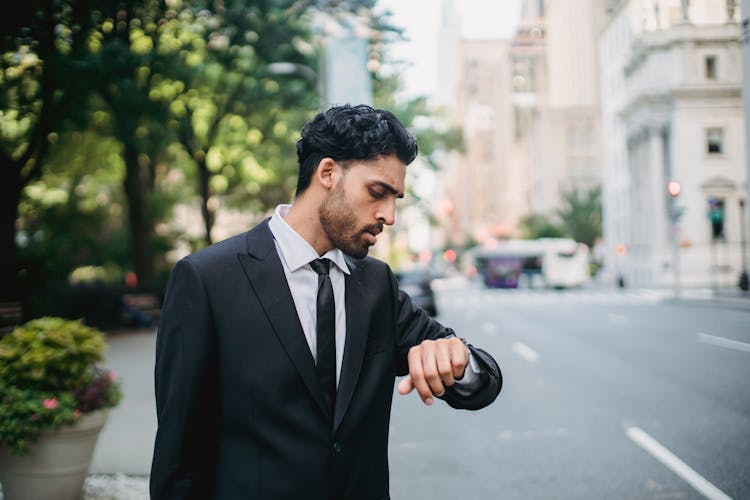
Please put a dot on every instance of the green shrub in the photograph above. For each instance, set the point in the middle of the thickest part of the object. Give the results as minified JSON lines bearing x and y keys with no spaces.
{"x":49,"y":378}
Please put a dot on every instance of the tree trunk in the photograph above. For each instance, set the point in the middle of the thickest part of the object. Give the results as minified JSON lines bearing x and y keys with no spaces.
{"x":208,"y":214}
{"x":141,"y":225}
{"x":10,"y":194}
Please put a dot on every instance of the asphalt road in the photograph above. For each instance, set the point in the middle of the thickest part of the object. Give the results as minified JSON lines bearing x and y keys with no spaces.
{"x":606,"y":396}
{"x":598,"y":384}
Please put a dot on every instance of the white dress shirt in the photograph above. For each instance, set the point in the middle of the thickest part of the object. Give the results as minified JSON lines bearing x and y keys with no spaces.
{"x":296,"y":254}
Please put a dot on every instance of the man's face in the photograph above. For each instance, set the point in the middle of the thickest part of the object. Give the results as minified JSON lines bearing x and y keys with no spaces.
{"x":362,"y":202}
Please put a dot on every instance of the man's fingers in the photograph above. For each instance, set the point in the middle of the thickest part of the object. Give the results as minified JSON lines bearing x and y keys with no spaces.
{"x":431,"y":373}
{"x":433,"y":366}
{"x":405,"y":386}
{"x":444,"y":365}
{"x":416,"y":373}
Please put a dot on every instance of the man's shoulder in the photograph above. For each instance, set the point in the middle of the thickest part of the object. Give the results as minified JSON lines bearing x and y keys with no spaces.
{"x":226,"y":249}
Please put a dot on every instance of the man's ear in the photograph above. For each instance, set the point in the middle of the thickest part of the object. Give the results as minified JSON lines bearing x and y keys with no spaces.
{"x":326,"y":173}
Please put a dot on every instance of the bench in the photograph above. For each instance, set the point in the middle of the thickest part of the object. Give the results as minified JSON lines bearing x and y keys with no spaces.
{"x":143,"y":304}
{"x":11,"y":315}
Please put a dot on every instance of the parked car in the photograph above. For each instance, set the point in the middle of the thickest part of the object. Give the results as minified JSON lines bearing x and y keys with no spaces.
{"x":417,"y":283}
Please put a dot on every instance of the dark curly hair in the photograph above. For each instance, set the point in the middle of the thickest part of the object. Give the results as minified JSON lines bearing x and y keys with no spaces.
{"x":346,"y":133}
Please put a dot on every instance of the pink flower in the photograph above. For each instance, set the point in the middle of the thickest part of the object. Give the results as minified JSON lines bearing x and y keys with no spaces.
{"x":77,"y":413}
{"x":50,"y":404}
{"x":113,"y":375}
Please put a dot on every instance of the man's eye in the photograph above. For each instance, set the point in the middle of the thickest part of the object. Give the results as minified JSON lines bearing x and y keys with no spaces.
{"x":377,"y":193}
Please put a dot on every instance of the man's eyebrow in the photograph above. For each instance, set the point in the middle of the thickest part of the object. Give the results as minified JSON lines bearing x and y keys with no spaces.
{"x":390,"y":189}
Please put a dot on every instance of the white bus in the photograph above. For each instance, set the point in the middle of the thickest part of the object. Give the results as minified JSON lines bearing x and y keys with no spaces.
{"x":544,"y":262}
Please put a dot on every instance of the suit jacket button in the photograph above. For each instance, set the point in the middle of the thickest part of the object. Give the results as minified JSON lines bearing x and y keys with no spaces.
{"x":337,"y":447}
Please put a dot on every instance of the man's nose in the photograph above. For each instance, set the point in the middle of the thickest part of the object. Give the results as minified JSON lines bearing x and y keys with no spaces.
{"x":387,"y":212}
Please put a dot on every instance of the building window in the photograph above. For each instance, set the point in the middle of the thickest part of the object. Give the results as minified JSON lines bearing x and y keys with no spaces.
{"x":710,"y":62}
{"x":715,"y":141}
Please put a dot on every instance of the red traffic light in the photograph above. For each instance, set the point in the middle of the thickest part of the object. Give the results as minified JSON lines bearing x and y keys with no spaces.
{"x":674,"y":188}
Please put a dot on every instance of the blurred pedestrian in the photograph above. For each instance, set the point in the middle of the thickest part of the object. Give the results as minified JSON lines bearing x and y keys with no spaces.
{"x":278,"y":349}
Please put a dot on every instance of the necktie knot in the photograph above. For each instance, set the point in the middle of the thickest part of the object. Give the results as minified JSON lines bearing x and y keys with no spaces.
{"x":321,"y":266}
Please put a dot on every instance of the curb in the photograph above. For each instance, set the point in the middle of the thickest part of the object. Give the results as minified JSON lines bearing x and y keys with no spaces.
{"x":115,"y":487}
{"x":112,"y":487}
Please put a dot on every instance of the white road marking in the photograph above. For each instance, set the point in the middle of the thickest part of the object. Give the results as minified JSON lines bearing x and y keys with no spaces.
{"x":673,"y":463}
{"x":722,"y":342}
{"x":525,"y":352}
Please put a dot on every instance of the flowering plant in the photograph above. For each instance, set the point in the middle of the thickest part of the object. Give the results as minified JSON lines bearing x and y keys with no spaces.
{"x":49,"y":378}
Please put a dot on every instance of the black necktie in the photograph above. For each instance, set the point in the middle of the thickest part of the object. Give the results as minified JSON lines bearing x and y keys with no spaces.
{"x":326,"y":332}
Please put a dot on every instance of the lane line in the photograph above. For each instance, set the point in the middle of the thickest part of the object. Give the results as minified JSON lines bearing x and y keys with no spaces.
{"x":525,"y":352}
{"x":673,"y":463}
{"x":723,"y":342}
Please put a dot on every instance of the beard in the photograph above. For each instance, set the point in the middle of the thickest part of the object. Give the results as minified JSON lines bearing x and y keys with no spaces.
{"x":340,"y":224}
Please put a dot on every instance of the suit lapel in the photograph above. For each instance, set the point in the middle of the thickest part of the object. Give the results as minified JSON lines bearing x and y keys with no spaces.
{"x":266,"y":276}
{"x":357,"y":327}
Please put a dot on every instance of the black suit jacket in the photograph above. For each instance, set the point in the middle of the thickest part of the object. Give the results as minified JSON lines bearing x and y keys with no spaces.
{"x":239,"y":407}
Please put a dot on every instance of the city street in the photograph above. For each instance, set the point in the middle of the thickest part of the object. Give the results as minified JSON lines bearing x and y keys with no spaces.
{"x":587,"y":376}
{"x":608,"y":394}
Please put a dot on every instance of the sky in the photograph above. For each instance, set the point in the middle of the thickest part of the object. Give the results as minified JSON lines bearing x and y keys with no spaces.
{"x":421,"y":21}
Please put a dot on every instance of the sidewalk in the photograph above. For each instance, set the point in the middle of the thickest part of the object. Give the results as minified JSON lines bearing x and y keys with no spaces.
{"x":122,"y":461}
{"x":728,"y":296}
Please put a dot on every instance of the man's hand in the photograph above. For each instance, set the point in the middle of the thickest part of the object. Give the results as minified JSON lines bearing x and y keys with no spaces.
{"x":433,"y":366}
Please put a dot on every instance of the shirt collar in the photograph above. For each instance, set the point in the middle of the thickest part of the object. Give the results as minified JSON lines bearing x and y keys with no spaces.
{"x":294,"y":249}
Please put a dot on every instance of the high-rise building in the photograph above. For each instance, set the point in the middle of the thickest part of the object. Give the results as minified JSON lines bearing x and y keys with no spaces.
{"x":484,"y":181}
{"x":529,"y":109}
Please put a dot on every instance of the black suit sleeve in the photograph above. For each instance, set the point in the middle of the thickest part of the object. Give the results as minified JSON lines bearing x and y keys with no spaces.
{"x":185,"y":375}
{"x":414,"y":325}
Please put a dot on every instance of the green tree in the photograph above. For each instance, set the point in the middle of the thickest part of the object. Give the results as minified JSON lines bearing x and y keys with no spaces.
{"x":71,"y":217}
{"x":535,"y":226}
{"x":232,"y":117}
{"x":44,"y":88}
{"x":136,"y":57}
{"x":581,"y":214}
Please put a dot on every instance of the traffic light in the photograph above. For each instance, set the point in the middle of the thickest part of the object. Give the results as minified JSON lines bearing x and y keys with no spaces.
{"x":675,"y":210}
{"x":674,"y":188}
{"x":716,"y":217}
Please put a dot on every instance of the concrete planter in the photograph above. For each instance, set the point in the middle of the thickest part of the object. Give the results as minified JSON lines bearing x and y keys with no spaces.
{"x":57,"y":464}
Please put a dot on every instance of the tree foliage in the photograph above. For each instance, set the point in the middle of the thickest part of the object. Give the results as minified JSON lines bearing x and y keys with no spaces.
{"x":581,"y":214}
{"x":535,"y":226}
{"x":579,"y":217}
{"x":113,"y":112}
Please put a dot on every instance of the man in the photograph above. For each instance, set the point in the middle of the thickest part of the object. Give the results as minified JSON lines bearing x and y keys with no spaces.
{"x":278,"y":349}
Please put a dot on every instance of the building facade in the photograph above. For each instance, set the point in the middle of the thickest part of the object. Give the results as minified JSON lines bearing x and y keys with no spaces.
{"x":483,"y":180}
{"x":672,"y":113}
{"x":529,"y":109}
